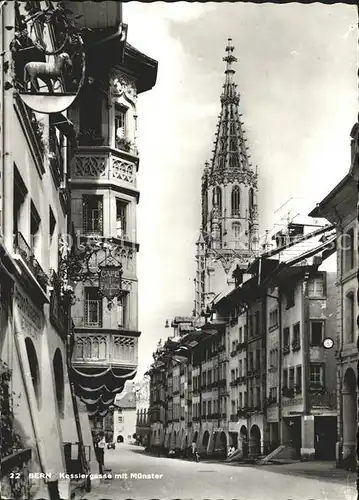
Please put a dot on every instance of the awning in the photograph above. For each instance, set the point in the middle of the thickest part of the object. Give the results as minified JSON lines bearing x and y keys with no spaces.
{"x":66,"y":127}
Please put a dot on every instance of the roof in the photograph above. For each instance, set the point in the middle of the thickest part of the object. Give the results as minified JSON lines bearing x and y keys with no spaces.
{"x":317,"y":211}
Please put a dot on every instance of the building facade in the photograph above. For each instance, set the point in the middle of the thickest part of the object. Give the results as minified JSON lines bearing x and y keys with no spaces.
{"x":41,"y":431}
{"x":340,"y":208}
{"x":229,"y":227}
{"x":257,"y":374}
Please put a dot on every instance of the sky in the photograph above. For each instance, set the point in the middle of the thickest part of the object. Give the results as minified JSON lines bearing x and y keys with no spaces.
{"x":297,"y":78}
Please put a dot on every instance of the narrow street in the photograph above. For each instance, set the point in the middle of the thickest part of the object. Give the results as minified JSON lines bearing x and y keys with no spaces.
{"x":179,"y":479}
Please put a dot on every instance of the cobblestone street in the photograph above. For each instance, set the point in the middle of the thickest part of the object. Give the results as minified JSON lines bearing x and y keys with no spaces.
{"x":178,"y":479}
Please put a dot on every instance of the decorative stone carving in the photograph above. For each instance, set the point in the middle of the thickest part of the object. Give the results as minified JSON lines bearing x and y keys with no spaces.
{"x":124,"y":349}
{"x":122,"y":85}
{"x":91,"y":347}
{"x":126,"y":285}
{"x":123,"y":170}
{"x":90,"y":166}
{"x":31,"y":317}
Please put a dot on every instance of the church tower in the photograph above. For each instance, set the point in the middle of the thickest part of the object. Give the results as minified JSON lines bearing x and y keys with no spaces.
{"x":229,"y":227}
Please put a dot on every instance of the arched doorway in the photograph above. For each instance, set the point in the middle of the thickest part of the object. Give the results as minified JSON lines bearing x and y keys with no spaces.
{"x":255,"y":441}
{"x":243,"y":437}
{"x":120,"y":439}
{"x":349,"y":404}
{"x":222,"y":444}
{"x":34,"y":369}
{"x":59,"y":380}
{"x":205,"y":440}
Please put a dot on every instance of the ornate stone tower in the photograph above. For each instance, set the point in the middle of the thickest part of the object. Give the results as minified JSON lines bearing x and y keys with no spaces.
{"x":229,"y":229}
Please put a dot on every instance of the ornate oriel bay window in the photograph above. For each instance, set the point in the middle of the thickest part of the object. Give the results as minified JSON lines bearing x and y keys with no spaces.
{"x":104,"y":198}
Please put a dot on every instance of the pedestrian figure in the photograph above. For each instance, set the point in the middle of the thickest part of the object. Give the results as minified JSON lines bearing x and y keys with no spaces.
{"x":101,"y":452}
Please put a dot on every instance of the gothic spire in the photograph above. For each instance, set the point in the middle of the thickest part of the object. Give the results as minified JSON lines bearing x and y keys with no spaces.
{"x":230,"y":155}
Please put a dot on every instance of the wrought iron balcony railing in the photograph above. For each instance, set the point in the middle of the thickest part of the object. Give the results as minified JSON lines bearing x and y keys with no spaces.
{"x":23,"y":249}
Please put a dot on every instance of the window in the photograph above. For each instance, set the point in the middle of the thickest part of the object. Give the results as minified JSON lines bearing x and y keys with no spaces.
{"x":250,"y":361}
{"x":289,"y":294}
{"x":296,"y":336}
{"x":240,"y":368}
{"x":121,"y":311}
{"x":349,"y":317}
{"x":273,"y":319}
{"x":93,"y":307}
{"x":256,"y":324}
{"x":120,"y":125}
{"x":250,"y":198}
{"x":316,"y":287}
{"x":34,"y":228}
{"x":291,"y":378}
{"x":316,"y":333}
{"x":298,"y":379}
{"x":20,"y":193}
{"x":285,"y":378}
{"x":232,"y":375}
{"x":273,"y":394}
{"x":217,"y":198}
{"x":34,"y":369}
{"x":93,"y":214}
{"x":236,"y":228}
{"x":52,"y":224}
{"x":91,"y":119}
{"x":348,"y":248}
{"x":258,"y":359}
{"x":59,"y":381}
{"x":286,"y":337}
{"x":121,"y":212}
{"x":316,"y":375}
{"x":209,"y":407}
{"x":235,"y":201}
{"x":240,"y":334}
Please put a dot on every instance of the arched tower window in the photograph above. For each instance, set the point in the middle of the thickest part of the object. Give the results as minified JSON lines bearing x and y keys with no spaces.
{"x":59,"y":380}
{"x":217,"y":198}
{"x":34,"y":369}
{"x":250,"y":198}
{"x":235,"y":200}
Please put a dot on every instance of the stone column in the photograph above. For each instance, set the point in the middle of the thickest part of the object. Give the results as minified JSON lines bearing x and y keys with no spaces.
{"x":307,"y":450}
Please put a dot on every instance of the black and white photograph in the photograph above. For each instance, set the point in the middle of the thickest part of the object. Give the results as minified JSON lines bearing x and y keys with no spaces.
{"x":179,"y":211}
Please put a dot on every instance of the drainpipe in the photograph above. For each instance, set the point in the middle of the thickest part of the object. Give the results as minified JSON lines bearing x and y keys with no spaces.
{"x":306,"y":350}
{"x":280,"y":297}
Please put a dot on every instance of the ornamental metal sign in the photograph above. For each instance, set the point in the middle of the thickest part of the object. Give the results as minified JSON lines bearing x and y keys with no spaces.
{"x":48,"y":57}
{"x":110,"y":281}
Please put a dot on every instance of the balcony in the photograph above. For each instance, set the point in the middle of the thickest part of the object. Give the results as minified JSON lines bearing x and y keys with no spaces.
{"x":295,"y":345}
{"x":286,"y":349}
{"x":323,"y":399}
{"x":22,"y":248}
{"x":104,"y":165}
{"x":103,"y":349}
{"x":242,"y":346}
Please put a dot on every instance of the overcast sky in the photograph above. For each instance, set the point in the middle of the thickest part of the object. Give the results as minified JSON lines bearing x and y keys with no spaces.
{"x":296,"y":74}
